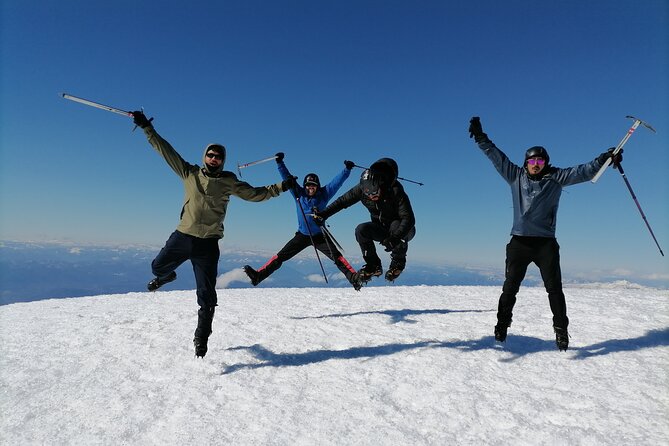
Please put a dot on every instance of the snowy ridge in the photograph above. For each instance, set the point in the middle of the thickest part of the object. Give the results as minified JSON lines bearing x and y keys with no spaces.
{"x":329,"y":366}
{"x":611,"y":285}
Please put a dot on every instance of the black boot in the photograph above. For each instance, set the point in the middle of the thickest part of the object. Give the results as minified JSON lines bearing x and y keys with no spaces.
{"x":395,"y":269}
{"x":253,"y":274}
{"x":264,"y":271}
{"x":500,"y":331}
{"x":205,"y":317}
{"x":561,"y":338}
{"x":368,"y":271}
{"x":355,"y":280}
{"x":160,"y":281}
{"x":348,"y":271}
{"x":372,"y":267}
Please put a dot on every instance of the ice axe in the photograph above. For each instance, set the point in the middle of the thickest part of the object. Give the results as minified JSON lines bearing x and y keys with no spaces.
{"x":637,"y":121}
{"x":96,"y":105}
{"x":618,"y":165}
{"x":100,"y":106}
{"x":253,"y":163}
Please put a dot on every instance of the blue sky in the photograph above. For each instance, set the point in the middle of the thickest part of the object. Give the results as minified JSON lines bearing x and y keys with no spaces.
{"x":325,"y":81}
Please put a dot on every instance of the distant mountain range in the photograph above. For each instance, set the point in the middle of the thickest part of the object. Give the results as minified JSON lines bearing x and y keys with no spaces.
{"x":36,"y":271}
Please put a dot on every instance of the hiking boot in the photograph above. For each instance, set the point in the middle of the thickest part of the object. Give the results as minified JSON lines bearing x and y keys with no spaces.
{"x":396,"y":267}
{"x":392,"y":274}
{"x":500,"y":331}
{"x":205,"y":317}
{"x":356,"y":281}
{"x":158,"y":281}
{"x":561,"y":338}
{"x":368,"y":271}
{"x":253,"y":275}
{"x":200,"y":344}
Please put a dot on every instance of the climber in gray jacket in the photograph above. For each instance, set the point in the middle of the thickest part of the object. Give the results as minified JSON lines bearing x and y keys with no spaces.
{"x":535,"y":190}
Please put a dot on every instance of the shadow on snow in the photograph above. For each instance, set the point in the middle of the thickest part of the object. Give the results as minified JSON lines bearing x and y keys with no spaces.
{"x":517,"y":346}
{"x":395,"y":316}
{"x":652,"y":338}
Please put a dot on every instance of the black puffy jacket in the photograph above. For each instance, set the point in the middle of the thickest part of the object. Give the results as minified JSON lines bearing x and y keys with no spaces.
{"x":393,"y":205}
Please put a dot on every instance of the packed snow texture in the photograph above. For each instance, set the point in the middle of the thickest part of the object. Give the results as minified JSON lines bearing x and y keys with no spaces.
{"x":384,"y":366}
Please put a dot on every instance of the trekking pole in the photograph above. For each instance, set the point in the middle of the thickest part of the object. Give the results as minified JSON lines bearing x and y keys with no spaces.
{"x":399,"y":178}
{"x":306,"y":222}
{"x":627,"y":183}
{"x":618,"y":148}
{"x":327,"y":242}
{"x":253,"y":163}
{"x":328,"y":235}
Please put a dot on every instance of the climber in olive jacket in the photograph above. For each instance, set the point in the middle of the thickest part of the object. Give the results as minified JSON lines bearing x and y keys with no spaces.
{"x":207,"y":194}
{"x":207,"y":190}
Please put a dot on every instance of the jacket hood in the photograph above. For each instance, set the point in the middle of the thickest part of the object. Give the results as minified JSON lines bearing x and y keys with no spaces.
{"x":384,"y":171}
{"x":219,"y":148}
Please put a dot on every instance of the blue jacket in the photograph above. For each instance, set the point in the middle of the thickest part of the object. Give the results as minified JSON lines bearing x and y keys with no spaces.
{"x":535,"y":201}
{"x":320,"y":200}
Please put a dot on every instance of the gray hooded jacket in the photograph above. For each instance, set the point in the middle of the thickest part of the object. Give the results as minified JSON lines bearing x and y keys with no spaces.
{"x":535,"y":201}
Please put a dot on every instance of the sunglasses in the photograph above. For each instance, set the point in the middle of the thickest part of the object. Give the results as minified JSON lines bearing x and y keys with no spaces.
{"x":215,"y":156}
{"x":538,"y":162}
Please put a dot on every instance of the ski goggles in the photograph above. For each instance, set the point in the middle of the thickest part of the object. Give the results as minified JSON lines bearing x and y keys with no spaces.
{"x":537,"y":161}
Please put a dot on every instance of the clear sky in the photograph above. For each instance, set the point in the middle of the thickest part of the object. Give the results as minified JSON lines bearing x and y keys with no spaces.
{"x":325,"y":81}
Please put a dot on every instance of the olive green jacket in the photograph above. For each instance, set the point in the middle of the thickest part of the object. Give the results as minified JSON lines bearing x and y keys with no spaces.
{"x":206,"y":193}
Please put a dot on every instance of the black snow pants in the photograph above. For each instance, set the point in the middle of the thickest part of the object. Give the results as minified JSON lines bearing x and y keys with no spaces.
{"x":369,"y":232}
{"x":296,"y":245}
{"x":545,"y":253}
{"x":203,"y":254}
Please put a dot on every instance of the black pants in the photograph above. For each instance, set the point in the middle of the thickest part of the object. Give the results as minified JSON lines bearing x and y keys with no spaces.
{"x":545,"y":253}
{"x":367,"y":233}
{"x":297,"y":244}
{"x":203,"y":254}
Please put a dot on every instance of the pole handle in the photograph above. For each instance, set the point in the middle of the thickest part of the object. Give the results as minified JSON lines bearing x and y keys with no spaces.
{"x":618,"y":148}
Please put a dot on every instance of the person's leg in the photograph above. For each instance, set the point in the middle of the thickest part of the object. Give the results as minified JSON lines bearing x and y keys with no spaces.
{"x":548,"y":261}
{"x":366,"y":234}
{"x":328,"y":248}
{"x":205,"y":266}
{"x":290,"y":249}
{"x":518,"y":257}
{"x":176,"y":251}
{"x":398,"y":254}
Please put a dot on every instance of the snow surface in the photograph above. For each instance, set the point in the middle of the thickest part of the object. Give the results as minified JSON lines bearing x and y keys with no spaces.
{"x":385,"y":366}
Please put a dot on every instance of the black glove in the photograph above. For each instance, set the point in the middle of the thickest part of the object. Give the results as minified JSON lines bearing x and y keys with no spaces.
{"x":279,"y":157}
{"x":475,"y":130}
{"x":290,"y":183}
{"x":349,"y":164}
{"x":140,"y":120}
{"x":615,"y":159}
{"x":318,"y":217}
{"x":391,"y":242}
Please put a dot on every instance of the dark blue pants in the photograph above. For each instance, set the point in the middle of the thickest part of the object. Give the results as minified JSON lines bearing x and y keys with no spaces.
{"x":367,"y":233}
{"x":203,"y":254}
{"x":545,"y":253}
